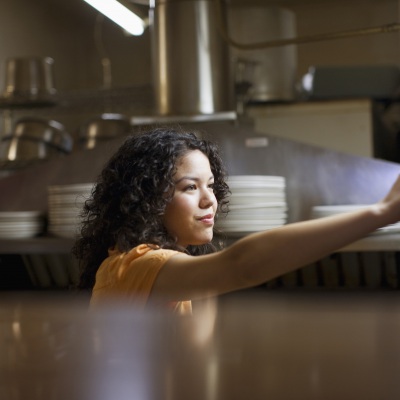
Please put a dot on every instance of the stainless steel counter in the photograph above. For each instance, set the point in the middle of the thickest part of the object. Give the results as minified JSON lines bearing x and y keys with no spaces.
{"x":281,"y":346}
{"x":59,"y":245}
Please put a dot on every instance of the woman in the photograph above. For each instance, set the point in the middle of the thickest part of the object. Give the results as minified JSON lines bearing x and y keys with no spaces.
{"x":147,"y":230}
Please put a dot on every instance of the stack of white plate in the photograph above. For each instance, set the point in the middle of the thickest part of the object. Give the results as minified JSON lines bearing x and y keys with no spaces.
{"x":256,"y":203}
{"x":65,"y":203}
{"x":326,"y":211}
{"x":20,"y":224}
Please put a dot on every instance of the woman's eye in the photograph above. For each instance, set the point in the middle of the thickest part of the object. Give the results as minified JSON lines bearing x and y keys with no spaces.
{"x":211,"y":186}
{"x":190,"y":187}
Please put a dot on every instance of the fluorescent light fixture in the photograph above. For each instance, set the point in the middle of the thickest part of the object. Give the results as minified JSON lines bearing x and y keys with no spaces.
{"x":120,"y":14}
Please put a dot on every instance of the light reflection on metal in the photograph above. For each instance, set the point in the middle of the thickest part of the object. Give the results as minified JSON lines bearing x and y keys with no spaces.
{"x":12,"y":150}
{"x":16,"y":328}
{"x":203,"y":325}
{"x":157,"y":119}
{"x":205,"y":63}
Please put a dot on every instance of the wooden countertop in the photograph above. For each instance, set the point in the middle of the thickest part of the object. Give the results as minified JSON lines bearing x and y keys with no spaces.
{"x":278,"y":346}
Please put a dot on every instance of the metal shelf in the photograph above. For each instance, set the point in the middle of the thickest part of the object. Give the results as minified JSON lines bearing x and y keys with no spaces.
{"x":384,"y":242}
{"x":58,"y":245}
{"x":37,"y":245}
{"x":381,"y":242}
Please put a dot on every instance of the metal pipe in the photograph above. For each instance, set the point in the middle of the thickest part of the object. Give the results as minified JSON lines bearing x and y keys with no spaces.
{"x":393,"y":27}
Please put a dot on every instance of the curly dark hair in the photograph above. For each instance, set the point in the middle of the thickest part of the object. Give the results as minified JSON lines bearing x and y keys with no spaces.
{"x":129,"y":198}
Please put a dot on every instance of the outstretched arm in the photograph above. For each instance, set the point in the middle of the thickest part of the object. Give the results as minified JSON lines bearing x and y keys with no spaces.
{"x":262,"y":256}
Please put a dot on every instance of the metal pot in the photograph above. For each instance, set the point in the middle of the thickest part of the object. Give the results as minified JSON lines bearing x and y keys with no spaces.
{"x":104,"y":127}
{"x":33,"y":139}
{"x":29,"y":78}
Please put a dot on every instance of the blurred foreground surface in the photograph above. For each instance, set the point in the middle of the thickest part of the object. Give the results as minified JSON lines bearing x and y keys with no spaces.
{"x":276,"y":346}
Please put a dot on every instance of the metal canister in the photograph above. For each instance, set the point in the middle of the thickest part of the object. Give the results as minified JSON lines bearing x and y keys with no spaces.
{"x":190,"y":58}
{"x":29,"y":77}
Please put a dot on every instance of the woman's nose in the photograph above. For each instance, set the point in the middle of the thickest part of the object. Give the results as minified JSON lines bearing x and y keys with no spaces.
{"x":207,"y":199}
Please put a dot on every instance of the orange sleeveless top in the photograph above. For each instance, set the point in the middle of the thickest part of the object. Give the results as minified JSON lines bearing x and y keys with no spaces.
{"x":130,"y":276}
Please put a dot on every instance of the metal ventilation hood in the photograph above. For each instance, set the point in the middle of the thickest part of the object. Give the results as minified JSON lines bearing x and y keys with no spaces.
{"x":190,"y":61}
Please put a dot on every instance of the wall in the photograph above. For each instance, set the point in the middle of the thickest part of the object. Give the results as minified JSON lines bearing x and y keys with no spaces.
{"x":327,"y":16}
{"x":334,"y":16}
{"x":65,"y":30}
{"x":314,"y":176}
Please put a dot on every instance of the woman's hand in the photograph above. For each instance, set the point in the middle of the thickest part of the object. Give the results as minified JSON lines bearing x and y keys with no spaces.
{"x":389,"y":206}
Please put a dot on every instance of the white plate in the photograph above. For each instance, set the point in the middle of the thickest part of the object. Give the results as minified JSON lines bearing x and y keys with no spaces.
{"x":237,"y":210}
{"x":247,"y":230}
{"x":255,"y":224}
{"x":238,"y":234}
{"x":256,"y":178}
{"x":22,"y":232}
{"x":324,"y":211}
{"x":67,"y":207}
{"x":68,"y":235}
{"x":258,"y":193}
{"x":23,"y":215}
{"x":242,"y":219}
{"x":234,"y":185}
{"x":64,"y":221}
{"x":61,"y":212}
{"x":340,"y":207}
{"x":27,"y":232}
{"x":251,"y":217}
{"x":67,"y":198}
{"x":395,"y":228}
{"x":259,"y":197}
{"x":64,"y":232}
{"x":20,"y":224}
{"x":247,"y":214}
{"x":18,"y":235}
{"x":281,"y":205}
{"x":242,"y":200}
{"x":72,"y":212}
{"x":64,"y":226}
{"x":250,"y":191}
{"x":79,"y":187}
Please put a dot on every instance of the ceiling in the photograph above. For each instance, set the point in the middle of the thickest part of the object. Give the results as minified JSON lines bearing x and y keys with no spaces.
{"x":84,"y":12}
{"x":79,"y":7}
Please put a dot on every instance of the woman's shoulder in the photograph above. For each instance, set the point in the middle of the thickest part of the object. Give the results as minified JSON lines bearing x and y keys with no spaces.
{"x":141,"y":252}
{"x":136,"y":268}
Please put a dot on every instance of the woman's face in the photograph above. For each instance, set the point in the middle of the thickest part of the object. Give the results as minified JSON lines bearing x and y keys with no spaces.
{"x":190,"y":214}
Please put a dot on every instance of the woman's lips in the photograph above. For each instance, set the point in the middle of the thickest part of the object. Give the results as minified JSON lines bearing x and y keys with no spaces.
{"x":207,"y":219}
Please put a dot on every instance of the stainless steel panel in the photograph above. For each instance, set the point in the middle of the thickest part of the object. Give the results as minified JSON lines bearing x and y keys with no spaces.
{"x":270,"y":73}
